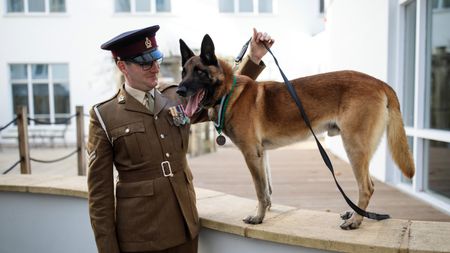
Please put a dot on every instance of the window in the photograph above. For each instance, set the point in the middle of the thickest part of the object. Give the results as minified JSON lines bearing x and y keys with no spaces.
{"x":142,"y":6}
{"x":409,"y":53}
{"x":436,"y":160}
{"x":440,"y":4}
{"x":437,"y":87}
{"x":425,"y":90}
{"x":321,"y":7}
{"x":437,"y":166}
{"x":43,"y":88}
{"x":226,"y":6}
{"x":245,"y":6}
{"x":36,"y":6}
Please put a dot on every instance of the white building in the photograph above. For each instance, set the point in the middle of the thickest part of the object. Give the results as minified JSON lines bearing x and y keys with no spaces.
{"x":50,"y":56}
{"x":50,"y":59}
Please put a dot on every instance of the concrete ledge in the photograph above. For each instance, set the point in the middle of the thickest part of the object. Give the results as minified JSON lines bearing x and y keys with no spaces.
{"x":283,"y":224}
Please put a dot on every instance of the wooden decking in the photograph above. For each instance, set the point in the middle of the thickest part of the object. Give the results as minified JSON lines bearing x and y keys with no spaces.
{"x":300,"y":179}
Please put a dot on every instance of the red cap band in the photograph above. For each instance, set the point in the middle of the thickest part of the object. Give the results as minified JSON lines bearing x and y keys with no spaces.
{"x":136,"y":48}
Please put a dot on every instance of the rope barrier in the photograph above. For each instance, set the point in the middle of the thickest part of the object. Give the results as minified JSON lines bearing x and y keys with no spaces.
{"x":55,"y":160}
{"x":7,"y":125}
{"x":66,"y":120}
{"x":12,"y":167}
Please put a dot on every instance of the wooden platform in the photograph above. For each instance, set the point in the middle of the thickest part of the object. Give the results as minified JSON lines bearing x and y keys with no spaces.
{"x":300,"y":179}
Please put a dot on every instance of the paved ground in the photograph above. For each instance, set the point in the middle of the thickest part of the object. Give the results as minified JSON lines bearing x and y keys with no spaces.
{"x":300,"y":179}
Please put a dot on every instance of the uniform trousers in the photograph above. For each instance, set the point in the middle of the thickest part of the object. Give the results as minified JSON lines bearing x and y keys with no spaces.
{"x":187,"y":247}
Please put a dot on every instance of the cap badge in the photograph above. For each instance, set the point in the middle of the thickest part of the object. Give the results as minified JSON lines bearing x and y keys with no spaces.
{"x":148,"y":43}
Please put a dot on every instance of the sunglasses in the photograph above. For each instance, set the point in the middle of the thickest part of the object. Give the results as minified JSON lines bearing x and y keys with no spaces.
{"x":145,"y":65}
{"x":147,"y":59}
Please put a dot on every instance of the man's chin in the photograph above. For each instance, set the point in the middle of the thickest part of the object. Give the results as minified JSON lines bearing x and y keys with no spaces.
{"x":153,"y":83}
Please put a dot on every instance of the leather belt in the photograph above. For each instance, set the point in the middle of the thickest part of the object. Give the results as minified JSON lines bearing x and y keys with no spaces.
{"x":164,"y":169}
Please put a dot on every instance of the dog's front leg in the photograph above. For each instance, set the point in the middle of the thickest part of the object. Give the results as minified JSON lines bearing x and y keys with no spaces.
{"x":268,"y":171}
{"x":255,"y":162}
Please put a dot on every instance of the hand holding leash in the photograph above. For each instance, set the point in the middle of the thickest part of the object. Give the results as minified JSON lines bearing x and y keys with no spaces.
{"x":259,"y":43}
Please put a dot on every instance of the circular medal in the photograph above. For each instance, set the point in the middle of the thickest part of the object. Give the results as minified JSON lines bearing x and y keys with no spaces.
{"x":220,"y":140}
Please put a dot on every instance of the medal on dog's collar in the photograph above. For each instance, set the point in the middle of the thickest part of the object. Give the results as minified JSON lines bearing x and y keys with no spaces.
{"x":220,"y":140}
{"x":178,"y":115}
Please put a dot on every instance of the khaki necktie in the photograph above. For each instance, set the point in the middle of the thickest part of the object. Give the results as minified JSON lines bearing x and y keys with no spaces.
{"x":149,"y":102}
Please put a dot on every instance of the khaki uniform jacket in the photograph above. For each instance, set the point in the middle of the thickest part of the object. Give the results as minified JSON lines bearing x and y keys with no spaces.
{"x":145,"y":208}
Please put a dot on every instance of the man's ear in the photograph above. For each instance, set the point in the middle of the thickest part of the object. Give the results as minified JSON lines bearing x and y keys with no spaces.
{"x":121,"y":66}
{"x":186,"y":52}
{"x":207,"y":51}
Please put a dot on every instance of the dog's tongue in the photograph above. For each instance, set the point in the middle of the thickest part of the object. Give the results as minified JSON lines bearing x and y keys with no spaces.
{"x":193,"y":103}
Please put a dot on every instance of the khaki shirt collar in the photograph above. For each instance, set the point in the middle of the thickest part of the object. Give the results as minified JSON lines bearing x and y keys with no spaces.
{"x":160,"y":100}
{"x":137,"y":94}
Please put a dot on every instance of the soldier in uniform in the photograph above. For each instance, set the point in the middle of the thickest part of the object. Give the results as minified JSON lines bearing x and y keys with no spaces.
{"x":143,"y":132}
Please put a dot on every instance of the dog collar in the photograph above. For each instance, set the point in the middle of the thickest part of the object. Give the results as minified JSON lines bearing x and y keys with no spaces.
{"x":223,"y":108}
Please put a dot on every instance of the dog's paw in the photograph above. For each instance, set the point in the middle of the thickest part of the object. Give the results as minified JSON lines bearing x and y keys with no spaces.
{"x":351,"y":221}
{"x":346,"y":215}
{"x":252,"y":219}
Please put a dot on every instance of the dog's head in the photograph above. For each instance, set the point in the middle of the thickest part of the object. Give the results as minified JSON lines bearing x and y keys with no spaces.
{"x":202,"y":77}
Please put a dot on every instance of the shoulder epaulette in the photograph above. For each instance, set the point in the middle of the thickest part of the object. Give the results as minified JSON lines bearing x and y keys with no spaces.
{"x":107,"y":100}
{"x":99,"y":116}
{"x":164,"y":86}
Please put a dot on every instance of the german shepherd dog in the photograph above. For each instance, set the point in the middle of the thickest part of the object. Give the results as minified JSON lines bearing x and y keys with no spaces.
{"x":262,"y":116}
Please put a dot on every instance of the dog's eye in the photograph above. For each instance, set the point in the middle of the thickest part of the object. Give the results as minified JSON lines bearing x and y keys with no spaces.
{"x":201,"y":72}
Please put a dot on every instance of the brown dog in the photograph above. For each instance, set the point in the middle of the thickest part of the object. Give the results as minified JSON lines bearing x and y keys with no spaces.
{"x":262,"y":116}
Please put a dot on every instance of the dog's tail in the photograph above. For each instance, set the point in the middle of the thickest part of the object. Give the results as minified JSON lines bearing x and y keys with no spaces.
{"x":396,"y":135}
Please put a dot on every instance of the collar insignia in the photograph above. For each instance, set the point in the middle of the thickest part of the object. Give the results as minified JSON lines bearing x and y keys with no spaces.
{"x":121,"y":99}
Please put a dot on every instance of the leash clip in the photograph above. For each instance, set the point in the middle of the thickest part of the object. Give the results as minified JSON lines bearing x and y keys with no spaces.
{"x":242,"y":53}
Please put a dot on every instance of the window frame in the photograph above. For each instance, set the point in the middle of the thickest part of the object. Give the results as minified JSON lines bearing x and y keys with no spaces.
{"x":50,"y":81}
{"x":152,"y":11}
{"x":26,"y":10}
{"x":255,"y":11}
{"x":419,"y":132}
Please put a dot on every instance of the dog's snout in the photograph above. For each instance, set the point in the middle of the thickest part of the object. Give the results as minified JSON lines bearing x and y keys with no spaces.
{"x":182,"y":91}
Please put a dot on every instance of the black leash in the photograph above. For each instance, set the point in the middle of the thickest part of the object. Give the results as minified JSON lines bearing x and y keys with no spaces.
{"x":326,"y":159}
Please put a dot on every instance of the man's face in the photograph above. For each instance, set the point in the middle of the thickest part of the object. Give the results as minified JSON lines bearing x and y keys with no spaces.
{"x":138,"y":77}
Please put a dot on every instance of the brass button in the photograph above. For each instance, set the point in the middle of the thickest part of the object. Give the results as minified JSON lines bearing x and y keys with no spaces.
{"x":167,"y":154}
{"x":156,"y":117}
{"x":127,"y":130}
{"x":162,"y":136}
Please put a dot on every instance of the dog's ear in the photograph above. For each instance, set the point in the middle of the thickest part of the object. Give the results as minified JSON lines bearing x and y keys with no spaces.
{"x":186,"y":52}
{"x":207,"y":52}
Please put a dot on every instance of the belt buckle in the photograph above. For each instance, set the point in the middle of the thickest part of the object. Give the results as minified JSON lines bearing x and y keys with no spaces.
{"x":166,"y":165}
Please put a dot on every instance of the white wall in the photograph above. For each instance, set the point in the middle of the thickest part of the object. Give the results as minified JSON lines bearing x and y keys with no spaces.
{"x":357,"y":33}
{"x":47,"y":223}
{"x":44,"y":223}
{"x":358,"y":36}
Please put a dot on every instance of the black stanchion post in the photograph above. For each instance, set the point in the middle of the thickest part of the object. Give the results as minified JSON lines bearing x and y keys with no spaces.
{"x":22,"y":129}
{"x":80,"y":142}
